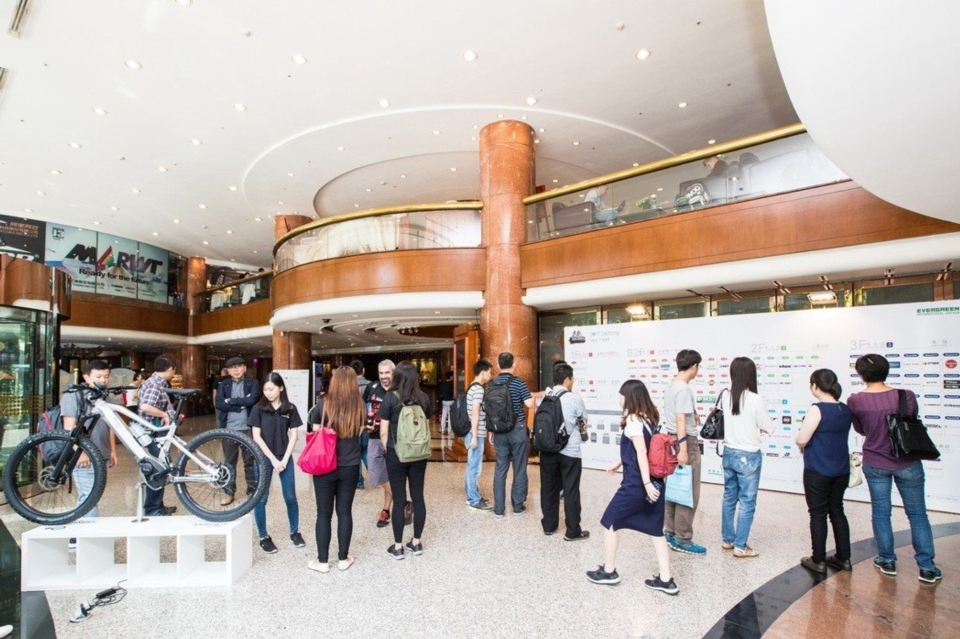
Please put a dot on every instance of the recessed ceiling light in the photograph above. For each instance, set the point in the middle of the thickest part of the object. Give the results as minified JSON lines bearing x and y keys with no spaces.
{"x":473,"y":138}
{"x":195,"y":142}
{"x":258,"y":219}
{"x":576,"y":144}
{"x":523,"y":117}
{"x":437,"y":312}
{"x":54,"y":172}
{"x":239,"y":107}
{"x":229,"y":232}
{"x":453,"y":168}
{"x":435,"y":132}
{"x":339,"y":148}
{"x":499,"y":116}
{"x":155,"y":234}
{"x":659,"y":188}
{"x":541,"y":129}
{"x":367,"y":190}
{"x":711,"y":141}
{"x":384,"y":103}
{"x":233,"y":188}
{"x":281,"y":204}
{"x":643,"y":54}
{"x":99,"y":111}
{"x":135,"y":191}
{"x":255,"y":251}
{"x":133,"y":64}
{"x":299,"y":59}
{"x":403,"y":175}
{"x":682,"y":105}
{"x":114,"y":208}
{"x":356,"y":206}
{"x":40,"y":193}
{"x":203,"y":206}
{"x":75,"y":145}
{"x":470,"y":56}
{"x":162,"y":169}
{"x":289,"y":174}
{"x":531,"y":100}
{"x":185,"y":3}
{"x":555,"y":180}
{"x":28,"y":210}
{"x":636,"y":164}
{"x":536,"y":141}
{"x":476,"y":126}
{"x":206,"y":243}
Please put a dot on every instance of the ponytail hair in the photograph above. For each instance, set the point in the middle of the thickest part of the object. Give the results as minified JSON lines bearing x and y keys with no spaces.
{"x":826,"y":380}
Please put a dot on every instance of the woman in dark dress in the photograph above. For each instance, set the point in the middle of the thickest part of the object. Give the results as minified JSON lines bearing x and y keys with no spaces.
{"x":638,"y":503}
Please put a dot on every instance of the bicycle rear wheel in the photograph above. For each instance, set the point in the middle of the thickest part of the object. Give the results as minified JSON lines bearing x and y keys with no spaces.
{"x":204,"y":494}
{"x":41,"y":494}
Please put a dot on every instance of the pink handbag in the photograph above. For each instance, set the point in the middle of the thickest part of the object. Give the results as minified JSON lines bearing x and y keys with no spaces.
{"x":319,"y":455}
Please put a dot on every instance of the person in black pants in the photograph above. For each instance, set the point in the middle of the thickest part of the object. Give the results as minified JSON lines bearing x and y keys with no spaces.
{"x":563,"y":469}
{"x":826,"y":471}
{"x":342,"y":410}
{"x":404,"y":389}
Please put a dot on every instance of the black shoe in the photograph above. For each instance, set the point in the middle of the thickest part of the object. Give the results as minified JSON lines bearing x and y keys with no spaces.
{"x":889,"y":568}
{"x":297,"y":540}
{"x":601,"y":576}
{"x":415,"y":548}
{"x":818,"y":567}
{"x":267,"y":545}
{"x":584,"y":534}
{"x":931,"y":576}
{"x":408,"y":513}
{"x":165,"y":511}
{"x":839,"y":564}
{"x":394,"y":552}
{"x":668,"y":587}
{"x":550,"y":532}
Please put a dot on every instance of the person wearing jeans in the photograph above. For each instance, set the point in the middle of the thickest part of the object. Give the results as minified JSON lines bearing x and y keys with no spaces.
{"x":473,"y":441}
{"x":513,"y":446}
{"x":745,"y":417}
{"x":881,"y":470}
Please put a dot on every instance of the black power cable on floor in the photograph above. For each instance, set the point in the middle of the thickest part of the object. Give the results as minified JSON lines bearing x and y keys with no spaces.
{"x":106,"y":597}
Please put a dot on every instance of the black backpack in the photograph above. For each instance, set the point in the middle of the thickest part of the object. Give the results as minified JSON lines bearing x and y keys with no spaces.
{"x":460,"y":416}
{"x":549,"y":428}
{"x":498,"y":407}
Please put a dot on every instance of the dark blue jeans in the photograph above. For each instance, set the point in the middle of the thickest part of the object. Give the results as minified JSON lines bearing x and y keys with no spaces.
{"x":513,"y":448}
{"x":289,"y":489}
{"x":910,"y":484}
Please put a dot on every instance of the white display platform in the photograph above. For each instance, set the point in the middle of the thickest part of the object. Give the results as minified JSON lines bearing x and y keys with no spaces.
{"x":45,"y":559}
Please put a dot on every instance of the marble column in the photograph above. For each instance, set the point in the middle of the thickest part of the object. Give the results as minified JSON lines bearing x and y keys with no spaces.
{"x":196,"y":283}
{"x":193,"y":366}
{"x":291,"y":350}
{"x":506,"y":177}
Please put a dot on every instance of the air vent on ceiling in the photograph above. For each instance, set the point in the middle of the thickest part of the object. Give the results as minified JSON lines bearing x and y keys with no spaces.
{"x":19,"y":16}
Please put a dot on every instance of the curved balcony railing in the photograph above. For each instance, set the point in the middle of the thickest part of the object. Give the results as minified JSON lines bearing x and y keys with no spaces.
{"x":778,"y":161}
{"x":422,"y":226}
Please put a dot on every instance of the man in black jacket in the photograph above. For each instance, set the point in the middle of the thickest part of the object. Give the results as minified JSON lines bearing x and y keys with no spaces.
{"x":236,"y":395}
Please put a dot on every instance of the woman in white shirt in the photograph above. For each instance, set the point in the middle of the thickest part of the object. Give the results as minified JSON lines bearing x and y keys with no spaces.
{"x":744,"y":418}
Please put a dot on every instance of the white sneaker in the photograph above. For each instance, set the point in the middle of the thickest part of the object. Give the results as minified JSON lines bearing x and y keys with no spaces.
{"x":314,"y":564}
{"x":343,"y":564}
{"x":5,"y":630}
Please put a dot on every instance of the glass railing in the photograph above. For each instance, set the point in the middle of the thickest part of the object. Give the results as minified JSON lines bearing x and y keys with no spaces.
{"x":785,"y":160}
{"x":425,"y":226}
{"x":243,"y":291}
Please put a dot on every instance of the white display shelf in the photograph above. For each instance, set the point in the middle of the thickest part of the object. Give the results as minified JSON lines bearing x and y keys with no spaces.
{"x":45,"y":561}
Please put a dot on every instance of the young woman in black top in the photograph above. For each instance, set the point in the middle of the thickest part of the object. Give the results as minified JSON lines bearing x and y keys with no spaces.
{"x":404,"y":389}
{"x":341,"y":409}
{"x":275,"y":421}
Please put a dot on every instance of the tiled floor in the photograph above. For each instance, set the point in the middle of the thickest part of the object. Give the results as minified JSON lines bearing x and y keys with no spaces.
{"x":480,"y":576}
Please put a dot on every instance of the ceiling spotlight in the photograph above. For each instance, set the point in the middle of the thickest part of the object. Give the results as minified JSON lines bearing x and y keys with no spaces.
{"x":643,"y":54}
{"x":239,"y":107}
{"x":403,"y":175}
{"x":576,"y":144}
{"x":453,"y":168}
{"x":162,"y":169}
{"x":537,"y":141}
{"x":367,"y":190}
{"x":555,"y":180}
{"x":133,"y":64}
{"x":682,"y":105}
{"x":233,"y":188}
{"x":541,"y":129}
{"x":176,"y":221}
{"x":384,"y":103}
{"x":473,"y":138}
{"x":195,"y":142}
{"x":185,"y":3}
{"x":54,"y":172}
{"x":40,"y":193}
{"x":711,"y":141}
{"x":258,"y":219}
{"x":289,"y":174}
{"x":203,"y":206}
{"x":255,"y":251}
{"x":28,"y":210}
{"x":659,"y":188}
{"x":155,"y":234}
{"x":299,"y":59}
{"x":281,"y":204}
{"x":435,"y":132}
{"x":135,"y":191}
{"x":75,"y":145}
{"x":356,"y":206}
{"x":206,"y":243}
{"x":99,"y":111}
{"x":531,"y":101}
{"x":339,"y":148}
{"x":114,"y":208}
{"x":96,"y":223}
{"x":636,"y":164}
{"x":470,"y":56}
{"x":229,"y":232}
{"x":499,"y":116}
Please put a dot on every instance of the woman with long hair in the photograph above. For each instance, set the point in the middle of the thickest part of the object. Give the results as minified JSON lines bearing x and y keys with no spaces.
{"x":826,"y":470}
{"x":404,"y":390}
{"x":638,"y":503}
{"x":744,"y":417}
{"x":275,"y":421}
{"x":342,"y":410}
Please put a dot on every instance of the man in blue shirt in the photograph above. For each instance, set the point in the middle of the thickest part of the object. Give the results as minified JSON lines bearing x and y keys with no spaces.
{"x":514,"y":445}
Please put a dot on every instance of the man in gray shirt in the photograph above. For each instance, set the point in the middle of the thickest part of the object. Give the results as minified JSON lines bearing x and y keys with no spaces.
{"x":236,"y":395}
{"x":680,"y":419}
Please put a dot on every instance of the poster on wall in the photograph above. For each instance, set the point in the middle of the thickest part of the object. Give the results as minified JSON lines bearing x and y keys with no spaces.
{"x":297,"y":385}
{"x":116,"y":265}
{"x":151,"y":273}
{"x":74,"y":251}
{"x":921,"y":342}
{"x":22,"y":238}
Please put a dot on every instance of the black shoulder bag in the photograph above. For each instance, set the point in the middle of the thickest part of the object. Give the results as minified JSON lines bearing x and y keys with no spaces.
{"x":908,"y":436}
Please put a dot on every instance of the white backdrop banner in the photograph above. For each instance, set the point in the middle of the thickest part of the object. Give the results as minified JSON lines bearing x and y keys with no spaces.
{"x":297,"y":384}
{"x":922,"y":342}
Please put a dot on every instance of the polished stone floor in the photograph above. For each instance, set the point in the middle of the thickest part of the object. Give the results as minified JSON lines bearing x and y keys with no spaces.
{"x":481,"y":576}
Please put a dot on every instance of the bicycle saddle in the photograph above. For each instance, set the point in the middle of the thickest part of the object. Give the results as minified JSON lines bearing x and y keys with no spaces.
{"x":180,"y":392}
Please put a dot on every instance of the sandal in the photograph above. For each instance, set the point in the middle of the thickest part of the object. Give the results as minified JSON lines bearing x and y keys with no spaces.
{"x":726,"y":546}
{"x":745,"y":553}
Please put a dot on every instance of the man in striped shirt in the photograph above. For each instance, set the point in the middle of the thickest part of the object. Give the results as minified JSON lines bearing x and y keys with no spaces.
{"x":513,"y":447}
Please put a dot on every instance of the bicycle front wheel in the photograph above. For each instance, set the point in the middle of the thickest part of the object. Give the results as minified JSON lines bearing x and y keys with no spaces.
{"x":231,"y":480}
{"x":40,"y":493}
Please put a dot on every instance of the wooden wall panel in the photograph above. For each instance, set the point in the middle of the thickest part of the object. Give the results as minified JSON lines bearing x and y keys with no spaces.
{"x":822,"y":218}
{"x":461,"y":269}
{"x":250,"y":315}
{"x":25,"y":280}
{"x":105,"y":311}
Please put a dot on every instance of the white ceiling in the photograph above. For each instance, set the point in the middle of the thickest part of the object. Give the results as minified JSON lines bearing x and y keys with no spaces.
{"x":578,"y":60}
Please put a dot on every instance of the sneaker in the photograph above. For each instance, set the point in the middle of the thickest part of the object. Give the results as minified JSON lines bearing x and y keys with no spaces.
{"x":343,"y":564}
{"x":601,"y":576}
{"x":394,"y":552}
{"x":687,"y":546}
{"x":813,"y":566}
{"x":408,"y":513}
{"x":415,"y":548}
{"x":316,"y":564}
{"x":520,"y":510}
{"x":480,"y":505}
{"x":889,"y":568}
{"x":267,"y":545}
{"x":584,"y":534}
{"x":839,"y":564}
{"x":297,"y":540}
{"x":360,"y":485}
{"x":498,"y":516}
{"x":671,"y":539}
{"x":166,"y":511}
{"x":384,"y":518}
{"x":931,"y":576}
{"x":72,"y":543}
{"x":669,"y":587}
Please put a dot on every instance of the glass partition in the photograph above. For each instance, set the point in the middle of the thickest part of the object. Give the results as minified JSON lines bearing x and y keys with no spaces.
{"x":379,"y":232}
{"x":780,"y":166}
{"x":237,"y":293}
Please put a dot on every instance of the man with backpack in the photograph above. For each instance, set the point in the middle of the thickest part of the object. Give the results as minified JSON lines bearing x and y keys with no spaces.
{"x":505,"y":405}
{"x":559,"y":426}
{"x":473,"y":439}
{"x":373,"y":397}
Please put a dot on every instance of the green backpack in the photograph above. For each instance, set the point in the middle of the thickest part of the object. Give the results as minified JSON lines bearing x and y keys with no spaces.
{"x":413,"y":434}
